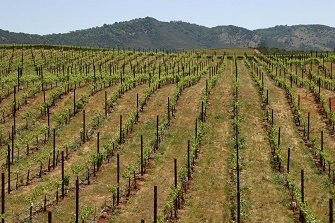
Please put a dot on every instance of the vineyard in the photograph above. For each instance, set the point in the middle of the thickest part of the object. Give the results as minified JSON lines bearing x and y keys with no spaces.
{"x":110,"y":135}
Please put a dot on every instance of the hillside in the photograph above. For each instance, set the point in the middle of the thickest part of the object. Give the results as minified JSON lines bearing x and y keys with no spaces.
{"x":299,"y":37}
{"x":150,"y":33}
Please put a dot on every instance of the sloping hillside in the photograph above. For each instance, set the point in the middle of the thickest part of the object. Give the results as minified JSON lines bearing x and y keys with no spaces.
{"x":150,"y":33}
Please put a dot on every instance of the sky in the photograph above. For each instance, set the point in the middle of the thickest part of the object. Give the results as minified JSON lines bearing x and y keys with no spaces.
{"x":62,"y":16}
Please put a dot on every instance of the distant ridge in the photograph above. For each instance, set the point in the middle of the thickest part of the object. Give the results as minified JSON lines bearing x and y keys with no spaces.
{"x":150,"y":33}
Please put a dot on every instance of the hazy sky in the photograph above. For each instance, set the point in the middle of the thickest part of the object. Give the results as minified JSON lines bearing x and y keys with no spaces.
{"x":60,"y":16}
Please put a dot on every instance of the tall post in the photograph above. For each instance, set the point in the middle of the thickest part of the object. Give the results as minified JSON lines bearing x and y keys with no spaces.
{"x":331,"y":211}
{"x":8,"y":162}
{"x":98,"y":142}
{"x":155,"y":204}
{"x":62,"y":174}
{"x":2,"y":196}
{"x":238,"y":176}
{"x":77,"y":200}
{"x":49,"y":217}
{"x":321,"y":140}
{"x":54,"y":150}
{"x":43,"y":93}
{"x":118,"y":180}
{"x":106,"y":103}
{"x":157,"y":132}
{"x":48,"y":111}
{"x":98,"y":152}
{"x":13,"y":130}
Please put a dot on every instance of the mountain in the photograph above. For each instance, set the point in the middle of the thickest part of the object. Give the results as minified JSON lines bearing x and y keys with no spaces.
{"x":150,"y":33}
{"x":302,"y":37}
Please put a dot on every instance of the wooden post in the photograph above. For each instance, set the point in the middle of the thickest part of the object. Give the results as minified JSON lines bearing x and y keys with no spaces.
{"x":8,"y":162}
{"x":321,"y":140}
{"x":43,"y":93}
{"x":98,"y":142}
{"x":238,"y":195}
{"x":319,"y":82}
{"x":267,"y":97}
{"x":54,"y":150}
{"x":13,"y":130}
{"x":77,"y":200}
{"x":118,"y":180}
{"x":94,"y":168}
{"x":31,"y":213}
{"x":238,"y":169}
{"x":155,"y":204}
{"x":48,"y":111}
{"x":106,"y":103}
{"x":98,"y":151}
{"x":28,"y":177}
{"x":272,"y":117}
{"x":331,"y":213}
{"x":49,"y":164}
{"x":2,"y":195}
{"x":49,"y":217}
{"x":299,"y":100}
{"x":62,"y":174}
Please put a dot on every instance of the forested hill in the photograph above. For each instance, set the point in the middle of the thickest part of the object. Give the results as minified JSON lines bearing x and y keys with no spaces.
{"x":151,"y":33}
